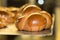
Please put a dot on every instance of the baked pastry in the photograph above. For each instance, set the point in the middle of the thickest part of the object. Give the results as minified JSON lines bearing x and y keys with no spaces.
{"x":3,"y":17}
{"x":34,"y":19}
{"x":6,"y":17}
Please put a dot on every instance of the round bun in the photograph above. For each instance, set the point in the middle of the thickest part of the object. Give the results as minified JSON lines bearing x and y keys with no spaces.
{"x":6,"y":16}
{"x":34,"y":19}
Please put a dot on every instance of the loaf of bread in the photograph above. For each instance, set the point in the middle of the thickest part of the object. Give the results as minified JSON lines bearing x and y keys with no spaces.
{"x":34,"y":19}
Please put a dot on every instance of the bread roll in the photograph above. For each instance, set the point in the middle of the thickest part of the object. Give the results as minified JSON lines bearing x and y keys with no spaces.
{"x":3,"y":17}
{"x":34,"y":19}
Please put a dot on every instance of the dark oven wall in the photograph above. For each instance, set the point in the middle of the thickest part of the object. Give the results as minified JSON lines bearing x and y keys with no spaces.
{"x":16,"y":3}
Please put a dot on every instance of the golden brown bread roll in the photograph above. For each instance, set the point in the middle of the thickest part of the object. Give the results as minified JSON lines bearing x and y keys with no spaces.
{"x":34,"y":19}
{"x":6,"y":17}
{"x":3,"y":17}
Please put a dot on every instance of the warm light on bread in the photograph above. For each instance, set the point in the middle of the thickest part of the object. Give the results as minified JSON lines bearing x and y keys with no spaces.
{"x":34,"y":19}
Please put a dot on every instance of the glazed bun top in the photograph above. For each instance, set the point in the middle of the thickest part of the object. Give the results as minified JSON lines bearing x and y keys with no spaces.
{"x":31,"y":9}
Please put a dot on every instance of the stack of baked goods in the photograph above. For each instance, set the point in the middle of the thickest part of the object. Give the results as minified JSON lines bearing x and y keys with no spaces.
{"x":33,"y":18}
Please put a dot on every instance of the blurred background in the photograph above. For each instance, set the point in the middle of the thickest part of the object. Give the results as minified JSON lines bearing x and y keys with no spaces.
{"x":52,"y":6}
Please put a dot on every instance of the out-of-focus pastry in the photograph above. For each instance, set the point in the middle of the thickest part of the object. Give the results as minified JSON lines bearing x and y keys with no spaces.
{"x":3,"y":17}
{"x":7,"y":16}
{"x":34,"y":19}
